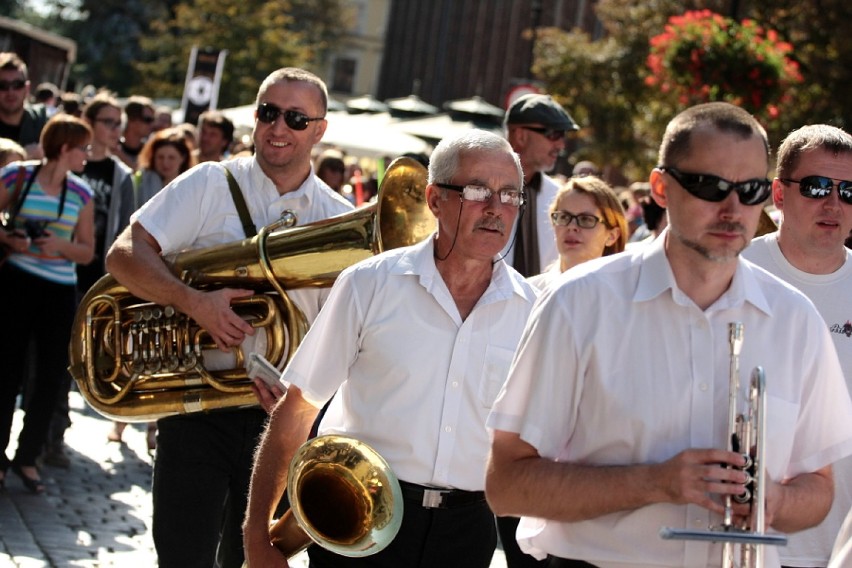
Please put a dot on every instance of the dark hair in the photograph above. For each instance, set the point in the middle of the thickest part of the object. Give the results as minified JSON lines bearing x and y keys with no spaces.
{"x":724,"y":117}
{"x":135,"y":107}
{"x":218,"y":120}
{"x":10,"y":61}
{"x":807,"y":138}
{"x":96,"y":103}
{"x":63,"y":129}
{"x":174,"y":137}
{"x":45,"y":91}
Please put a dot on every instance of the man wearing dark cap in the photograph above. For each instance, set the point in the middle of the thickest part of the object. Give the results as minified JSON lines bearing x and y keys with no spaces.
{"x":536,"y":126}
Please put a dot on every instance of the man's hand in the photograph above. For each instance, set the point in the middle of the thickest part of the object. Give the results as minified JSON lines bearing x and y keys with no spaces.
{"x":212,"y":310}
{"x":694,"y":476}
{"x":267,"y":395}
{"x":263,"y":555}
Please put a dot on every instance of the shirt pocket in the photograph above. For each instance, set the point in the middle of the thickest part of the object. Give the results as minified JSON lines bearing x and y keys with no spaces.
{"x":782,"y":417}
{"x":495,"y":371}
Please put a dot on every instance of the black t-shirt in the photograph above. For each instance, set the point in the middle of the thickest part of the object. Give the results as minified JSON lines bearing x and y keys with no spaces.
{"x":9,"y":131}
{"x":99,"y":175}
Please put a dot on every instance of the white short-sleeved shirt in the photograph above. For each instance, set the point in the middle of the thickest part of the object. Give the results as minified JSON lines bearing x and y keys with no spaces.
{"x":415,"y":381}
{"x":619,"y":366}
{"x":197,"y":211}
{"x":830,"y":294}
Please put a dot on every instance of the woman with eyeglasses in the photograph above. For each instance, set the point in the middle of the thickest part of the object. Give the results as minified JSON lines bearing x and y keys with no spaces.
{"x":588,"y":222}
{"x":51,"y":229}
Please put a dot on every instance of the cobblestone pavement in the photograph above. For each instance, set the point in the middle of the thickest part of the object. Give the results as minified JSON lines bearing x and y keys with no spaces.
{"x":97,"y":513}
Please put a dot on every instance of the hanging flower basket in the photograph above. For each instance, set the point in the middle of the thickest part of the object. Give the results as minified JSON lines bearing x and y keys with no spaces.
{"x":702,"y":56}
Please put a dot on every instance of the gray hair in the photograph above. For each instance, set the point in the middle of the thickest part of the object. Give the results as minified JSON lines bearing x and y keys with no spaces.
{"x":444,"y":161}
{"x":296,"y":75}
{"x":807,"y":138}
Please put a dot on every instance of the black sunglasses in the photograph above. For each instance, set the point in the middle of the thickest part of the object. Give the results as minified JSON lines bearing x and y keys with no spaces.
{"x":268,"y":113}
{"x":551,"y":134}
{"x":819,"y":187}
{"x":713,"y":188}
{"x":15,"y":85}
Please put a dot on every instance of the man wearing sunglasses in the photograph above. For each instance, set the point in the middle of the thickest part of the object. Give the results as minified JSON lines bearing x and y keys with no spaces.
{"x":138,"y":125}
{"x":18,"y":120}
{"x":536,"y":127}
{"x":621,"y":429}
{"x":203,"y":460}
{"x":422,"y":338}
{"x":813,"y":192}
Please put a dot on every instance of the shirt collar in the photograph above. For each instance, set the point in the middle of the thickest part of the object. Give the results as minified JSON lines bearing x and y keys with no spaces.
{"x":656,"y":276}
{"x":259,"y":179}
{"x":419,"y":260}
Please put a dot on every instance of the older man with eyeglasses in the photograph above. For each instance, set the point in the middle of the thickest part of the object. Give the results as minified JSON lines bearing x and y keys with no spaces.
{"x":18,"y":120}
{"x":813,"y":191}
{"x":536,"y":126}
{"x":614,"y":420}
{"x":422,"y":338}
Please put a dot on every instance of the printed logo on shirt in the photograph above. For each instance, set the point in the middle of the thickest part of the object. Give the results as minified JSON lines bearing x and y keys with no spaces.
{"x":845,"y":329}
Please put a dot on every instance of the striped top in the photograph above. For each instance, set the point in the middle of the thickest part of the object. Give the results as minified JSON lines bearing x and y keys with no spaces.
{"x":39,"y":206}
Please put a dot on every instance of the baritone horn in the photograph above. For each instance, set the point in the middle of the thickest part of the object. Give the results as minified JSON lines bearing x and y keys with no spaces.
{"x":742,"y":543}
{"x":136,"y":361}
{"x":343,"y":496}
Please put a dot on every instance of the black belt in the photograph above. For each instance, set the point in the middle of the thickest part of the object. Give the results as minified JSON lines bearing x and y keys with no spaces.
{"x":438,"y":498}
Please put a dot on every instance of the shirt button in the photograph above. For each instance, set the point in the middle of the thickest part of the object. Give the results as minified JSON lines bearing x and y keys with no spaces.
{"x":448,"y":429}
{"x":455,"y":384}
{"x":703,"y":387}
{"x":698,"y":523}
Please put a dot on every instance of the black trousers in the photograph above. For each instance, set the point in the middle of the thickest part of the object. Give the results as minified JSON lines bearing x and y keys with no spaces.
{"x":40,"y":310}
{"x":554,"y":562}
{"x":201,"y":477}
{"x":428,"y":538}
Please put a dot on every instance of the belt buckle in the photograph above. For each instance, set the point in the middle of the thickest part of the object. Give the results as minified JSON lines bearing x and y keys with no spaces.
{"x":433,"y":498}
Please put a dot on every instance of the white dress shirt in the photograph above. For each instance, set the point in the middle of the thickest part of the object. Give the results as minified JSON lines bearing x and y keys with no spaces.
{"x":197,"y":211}
{"x":413,"y":379}
{"x":642,"y":373}
{"x":830,"y":294}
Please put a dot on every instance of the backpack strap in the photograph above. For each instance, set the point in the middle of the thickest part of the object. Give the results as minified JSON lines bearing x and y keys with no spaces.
{"x":240,"y":203}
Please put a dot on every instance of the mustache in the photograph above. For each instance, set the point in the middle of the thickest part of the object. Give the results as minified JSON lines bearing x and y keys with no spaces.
{"x":728,"y":227}
{"x":491,"y":224}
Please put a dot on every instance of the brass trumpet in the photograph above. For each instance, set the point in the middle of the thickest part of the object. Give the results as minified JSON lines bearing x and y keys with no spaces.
{"x":742,"y":544}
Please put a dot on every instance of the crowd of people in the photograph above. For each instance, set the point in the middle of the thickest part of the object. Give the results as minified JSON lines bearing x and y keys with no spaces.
{"x":550,"y":369}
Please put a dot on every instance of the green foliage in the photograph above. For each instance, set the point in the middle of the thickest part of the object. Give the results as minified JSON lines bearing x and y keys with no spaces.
{"x":260,"y":36}
{"x":602,"y":82}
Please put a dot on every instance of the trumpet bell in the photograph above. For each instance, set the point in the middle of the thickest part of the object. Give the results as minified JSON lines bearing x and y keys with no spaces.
{"x":343,"y":495}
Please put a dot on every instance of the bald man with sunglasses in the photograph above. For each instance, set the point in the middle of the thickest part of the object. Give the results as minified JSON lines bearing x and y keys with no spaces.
{"x":622,"y":429}
{"x":814,"y":194}
{"x":203,"y":460}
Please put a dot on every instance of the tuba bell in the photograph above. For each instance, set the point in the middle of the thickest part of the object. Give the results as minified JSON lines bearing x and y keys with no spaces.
{"x":137,"y":361}
{"x":343,"y":497}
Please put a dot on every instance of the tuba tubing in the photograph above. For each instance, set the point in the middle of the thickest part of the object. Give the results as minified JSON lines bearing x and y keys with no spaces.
{"x":136,"y":361}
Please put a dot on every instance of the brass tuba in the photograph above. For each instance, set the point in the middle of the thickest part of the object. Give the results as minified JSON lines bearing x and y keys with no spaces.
{"x":343,"y":497}
{"x":137,"y":361}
